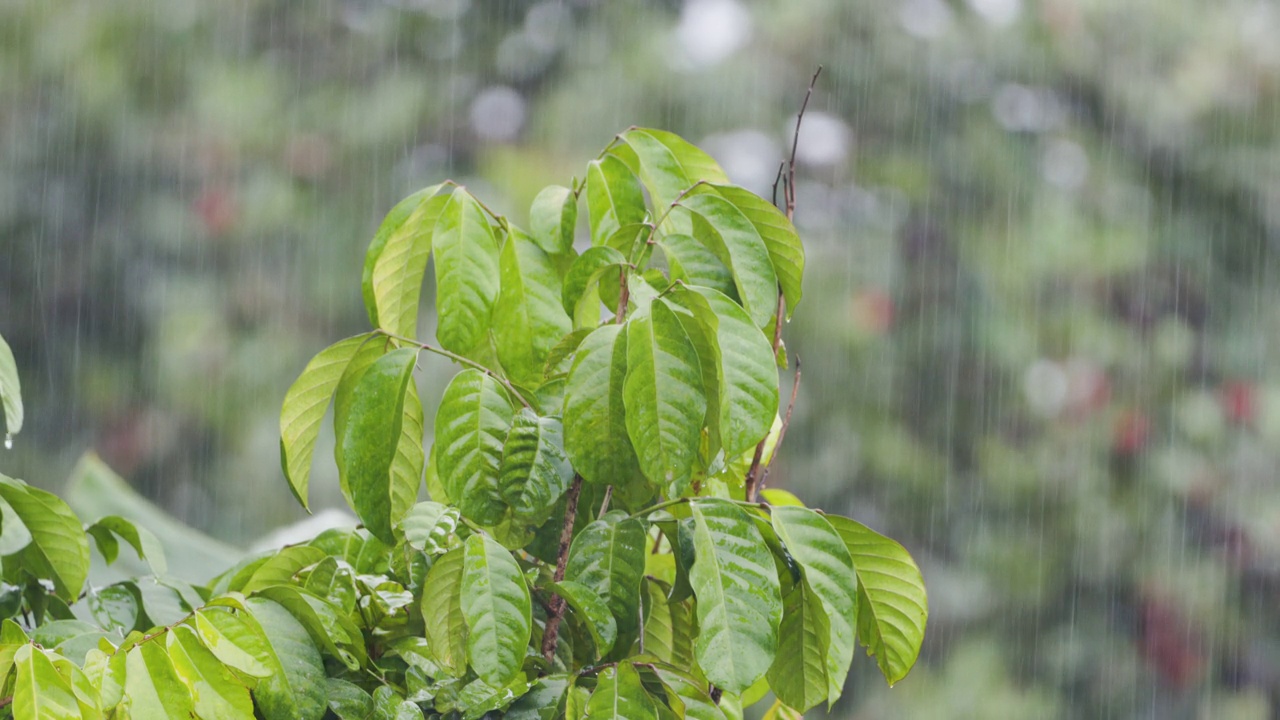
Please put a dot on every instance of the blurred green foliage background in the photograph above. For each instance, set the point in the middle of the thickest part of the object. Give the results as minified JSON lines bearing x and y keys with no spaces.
{"x":1040,"y":325}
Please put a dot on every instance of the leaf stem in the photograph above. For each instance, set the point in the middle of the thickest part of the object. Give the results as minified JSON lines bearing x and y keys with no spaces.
{"x":786,"y":422}
{"x":460,"y":359}
{"x":551,"y":634}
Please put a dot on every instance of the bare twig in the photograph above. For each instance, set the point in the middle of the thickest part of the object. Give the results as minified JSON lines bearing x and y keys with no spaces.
{"x":551,"y":635}
{"x":795,"y":141}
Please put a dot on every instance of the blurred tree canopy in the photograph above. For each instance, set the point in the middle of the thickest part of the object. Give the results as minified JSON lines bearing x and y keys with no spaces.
{"x":1041,"y":305}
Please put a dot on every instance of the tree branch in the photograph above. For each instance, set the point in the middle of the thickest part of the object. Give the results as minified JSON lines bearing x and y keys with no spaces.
{"x":551,"y":634}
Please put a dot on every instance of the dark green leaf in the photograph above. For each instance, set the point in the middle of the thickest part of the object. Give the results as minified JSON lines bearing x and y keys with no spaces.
{"x":735,"y":241}
{"x":595,"y":423}
{"x":529,"y":318}
{"x":698,"y":705}
{"x":349,"y":701}
{"x":535,"y":471}
{"x":785,"y":250}
{"x":472,"y":424}
{"x":495,"y":602}
{"x":594,"y":612}
{"x":799,"y":674}
{"x":619,"y":695}
{"x":295,"y":689}
{"x":544,"y":701}
{"x":466,"y":273}
{"x":607,"y":557}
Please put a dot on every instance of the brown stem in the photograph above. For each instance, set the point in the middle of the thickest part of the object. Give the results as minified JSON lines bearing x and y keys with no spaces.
{"x":551,"y":635}
{"x":790,"y":190}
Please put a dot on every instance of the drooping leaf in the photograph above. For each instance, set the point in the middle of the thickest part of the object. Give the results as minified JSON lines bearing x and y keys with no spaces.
{"x":596,"y":265}
{"x":669,"y":165}
{"x":607,"y":557}
{"x":295,"y":689}
{"x":215,"y":691}
{"x":369,"y":442}
{"x":892,"y":605}
{"x":59,"y":549}
{"x":733,"y":239}
{"x":446,"y":627}
{"x":304,"y":408}
{"x":614,"y":197}
{"x":595,"y":421}
{"x":529,"y":318}
{"x":593,"y":610}
{"x":828,"y":570}
{"x":664,"y":397}
{"x":495,"y":602}
{"x":40,"y":693}
{"x":785,"y":250}
{"x":799,"y":675}
{"x":620,"y":695}
{"x":739,"y":602}
{"x":143,"y":541}
{"x":695,"y":264}
{"x":467,"y":278}
{"x":535,"y":471}
{"x":10,"y":390}
{"x":472,"y":423}
{"x":397,"y":260}
{"x":151,"y":685}
{"x":552,"y":218}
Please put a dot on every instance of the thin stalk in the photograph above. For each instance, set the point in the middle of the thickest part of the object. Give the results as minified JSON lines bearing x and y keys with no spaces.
{"x":460,"y":359}
{"x":551,"y":635}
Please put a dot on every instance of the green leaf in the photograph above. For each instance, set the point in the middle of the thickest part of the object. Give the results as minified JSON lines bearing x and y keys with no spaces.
{"x":668,"y":626}
{"x":535,"y":471}
{"x":295,"y":689}
{"x":588,"y":271}
{"x":664,"y":397}
{"x":331,"y":631}
{"x":146,"y":544}
{"x":106,"y":672}
{"x":446,"y":627}
{"x":747,"y":375}
{"x":410,"y":462}
{"x":828,"y":569}
{"x":786,"y":253}
{"x":216,"y":692}
{"x":552,"y":219}
{"x":369,"y":440}
{"x":698,"y":705}
{"x":593,"y":610}
{"x":739,"y":601}
{"x":607,"y":557}
{"x":729,"y":234}
{"x":151,"y":685}
{"x":544,"y":701}
{"x":114,"y":607}
{"x":799,"y":674}
{"x":397,"y":260}
{"x":10,"y":391}
{"x":614,"y":197}
{"x":478,"y":699}
{"x":349,"y":701}
{"x":40,"y":693}
{"x":466,"y":273}
{"x":595,"y":422}
{"x":695,"y":264}
{"x":235,"y":641}
{"x":564,"y":350}
{"x":304,"y":408}
{"x":529,"y":318}
{"x":471,"y":427}
{"x":13,"y":534}
{"x":892,"y":605}
{"x":59,"y":549}
{"x":428,"y":525}
{"x":620,"y":694}
{"x":633,"y":242}
{"x":495,"y":602}
{"x":670,"y":165}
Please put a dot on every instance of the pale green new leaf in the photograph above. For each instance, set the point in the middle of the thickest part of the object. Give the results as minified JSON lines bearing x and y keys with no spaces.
{"x":828,"y":570}
{"x":595,"y":421}
{"x":620,"y":695}
{"x":593,"y":610}
{"x":607,"y":557}
{"x":237,"y":643}
{"x":151,"y":685}
{"x":217,"y":693}
{"x":799,"y":673}
{"x":552,"y":218}
{"x":280,"y":568}
{"x":295,"y":689}
{"x":892,"y":605}
{"x":735,"y":241}
{"x":664,"y":397}
{"x":39,"y":692}
{"x":614,"y":197}
{"x":496,"y":605}
{"x":143,"y":541}
{"x":472,"y":423}
{"x":304,"y":408}
{"x":59,"y":548}
{"x":529,"y":318}
{"x":10,"y":390}
{"x":535,"y":471}
{"x":446,"y":628}
{"x":410,"y":462}
{"x":669,"y":165}
{"x":397,"y":260}
{"x":466,"y":273}
{"x":369,"y":441}
{"x":739,"y":600}
{"x":779,"y":235}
